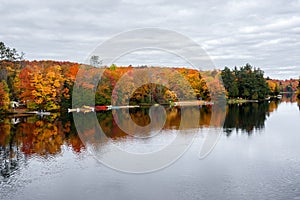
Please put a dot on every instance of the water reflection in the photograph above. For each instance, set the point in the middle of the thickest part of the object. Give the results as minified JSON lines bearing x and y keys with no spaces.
{"x":32,"y":136}
{"x":141,"y":118}
{"x":289,"y":97}
{"x":248,"y":117}
{"x":24,"y":137}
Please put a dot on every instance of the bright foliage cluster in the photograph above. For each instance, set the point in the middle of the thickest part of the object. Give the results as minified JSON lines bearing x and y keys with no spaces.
{"x":46,"y":85}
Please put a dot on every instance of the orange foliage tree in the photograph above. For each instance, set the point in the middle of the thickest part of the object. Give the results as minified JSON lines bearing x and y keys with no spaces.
{"x":42,"y":87}
{"x":274,"y":87}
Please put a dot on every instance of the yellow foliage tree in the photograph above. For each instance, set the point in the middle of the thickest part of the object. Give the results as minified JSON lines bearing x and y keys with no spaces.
{"x":274,"y":88}
{"x":4,"y":97}
{"x":45,"y":88}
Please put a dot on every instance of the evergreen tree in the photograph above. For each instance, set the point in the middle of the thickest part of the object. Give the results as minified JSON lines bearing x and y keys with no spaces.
{"x":230,"y":83}
{"x":245,"y":82}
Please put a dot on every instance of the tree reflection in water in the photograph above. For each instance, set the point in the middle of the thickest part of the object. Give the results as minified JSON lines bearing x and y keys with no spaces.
{"x":30,"y":137}
{"x":248,"y":117}
{"x":26,"y":137}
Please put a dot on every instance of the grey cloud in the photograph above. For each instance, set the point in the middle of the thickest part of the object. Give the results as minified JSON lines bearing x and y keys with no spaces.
{"x":263,"y":33}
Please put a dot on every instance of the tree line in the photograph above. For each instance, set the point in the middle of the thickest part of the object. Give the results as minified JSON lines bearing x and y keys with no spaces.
{"x":48,"y":85}
{"x":248,"y":82}
{"x":39,"y":85}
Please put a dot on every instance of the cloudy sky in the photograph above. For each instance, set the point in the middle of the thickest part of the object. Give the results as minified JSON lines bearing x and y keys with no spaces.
{"x":264,"y":33}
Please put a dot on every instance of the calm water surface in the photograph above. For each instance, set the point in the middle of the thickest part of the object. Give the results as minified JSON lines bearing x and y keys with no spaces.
{"x":257,"y":157}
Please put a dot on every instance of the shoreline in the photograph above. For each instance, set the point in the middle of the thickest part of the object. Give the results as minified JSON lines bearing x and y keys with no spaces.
{"x":240,"y":101}
{"x":26,"y":112}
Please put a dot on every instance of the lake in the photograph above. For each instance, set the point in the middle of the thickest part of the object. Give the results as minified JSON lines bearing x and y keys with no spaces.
{"x":256,"y":157}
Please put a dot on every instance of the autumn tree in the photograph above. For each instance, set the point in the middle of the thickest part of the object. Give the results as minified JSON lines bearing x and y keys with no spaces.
{"x":273,"y":87}
{"x":69,"y":72}
{"x":10,"y":63}
{"x":4,"y":97}
{"x":42,"y":87}
{"x":197,"y":82}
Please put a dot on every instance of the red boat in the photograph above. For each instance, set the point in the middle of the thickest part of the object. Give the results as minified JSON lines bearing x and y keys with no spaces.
{"x":99,"y":108}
